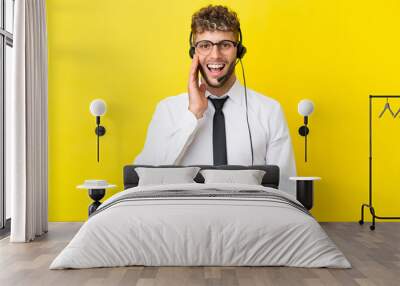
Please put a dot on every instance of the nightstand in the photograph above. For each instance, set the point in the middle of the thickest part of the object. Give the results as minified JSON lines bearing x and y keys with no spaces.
{"x":96,"y":190}
{"x":304,"y":190}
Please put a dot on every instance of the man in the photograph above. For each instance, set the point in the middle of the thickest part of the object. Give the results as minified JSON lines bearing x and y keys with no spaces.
{"x":208,"y":124}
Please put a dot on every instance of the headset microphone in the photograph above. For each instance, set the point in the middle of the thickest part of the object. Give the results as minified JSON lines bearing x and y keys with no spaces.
{"x":221,"y":78}
{"x":228,"y":73}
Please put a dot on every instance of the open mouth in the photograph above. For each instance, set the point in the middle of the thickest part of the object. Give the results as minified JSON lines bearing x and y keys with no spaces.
{"x":216,"y":69}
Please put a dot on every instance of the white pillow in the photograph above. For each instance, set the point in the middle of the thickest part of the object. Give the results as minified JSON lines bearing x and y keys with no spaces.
{"x":248,"y":177}
{"x":162,"y":176}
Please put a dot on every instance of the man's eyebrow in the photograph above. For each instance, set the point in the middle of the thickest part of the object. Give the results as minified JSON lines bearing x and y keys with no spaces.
{"x":216,"y":42}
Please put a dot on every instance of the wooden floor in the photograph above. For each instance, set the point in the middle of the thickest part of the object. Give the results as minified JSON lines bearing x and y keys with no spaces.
{"x":375,"y":257}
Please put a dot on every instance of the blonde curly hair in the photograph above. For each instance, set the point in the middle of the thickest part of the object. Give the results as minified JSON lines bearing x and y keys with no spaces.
{"x":217,"y":17}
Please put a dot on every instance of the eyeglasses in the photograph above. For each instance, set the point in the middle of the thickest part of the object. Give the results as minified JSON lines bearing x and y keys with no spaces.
{"x":205,"y":47}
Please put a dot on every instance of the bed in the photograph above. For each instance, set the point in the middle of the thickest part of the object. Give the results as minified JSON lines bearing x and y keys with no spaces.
{"x":201,"y":224}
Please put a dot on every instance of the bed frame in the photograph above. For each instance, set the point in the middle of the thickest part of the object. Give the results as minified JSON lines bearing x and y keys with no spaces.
{"x":270,"y":179}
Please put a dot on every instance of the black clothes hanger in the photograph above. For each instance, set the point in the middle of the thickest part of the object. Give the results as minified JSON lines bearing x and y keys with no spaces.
{"x":387,"y":107}
{"x":395,"y":115}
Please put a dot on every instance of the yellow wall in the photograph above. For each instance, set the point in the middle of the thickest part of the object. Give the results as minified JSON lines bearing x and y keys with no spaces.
{"x":134,"y":53}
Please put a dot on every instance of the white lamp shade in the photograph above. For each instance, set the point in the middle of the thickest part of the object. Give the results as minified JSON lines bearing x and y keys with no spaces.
{"x":305,"y":107}
{"x":98,"y":107}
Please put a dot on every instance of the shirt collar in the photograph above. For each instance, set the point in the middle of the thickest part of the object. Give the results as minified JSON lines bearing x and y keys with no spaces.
{"x":236,"y":93}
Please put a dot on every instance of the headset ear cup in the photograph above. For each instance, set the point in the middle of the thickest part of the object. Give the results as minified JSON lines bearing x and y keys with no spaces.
{"x":241,"y":50}
{"x":191,"y":52}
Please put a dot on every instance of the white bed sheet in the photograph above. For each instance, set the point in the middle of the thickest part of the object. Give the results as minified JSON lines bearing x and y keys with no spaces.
{"x":202,"y":232}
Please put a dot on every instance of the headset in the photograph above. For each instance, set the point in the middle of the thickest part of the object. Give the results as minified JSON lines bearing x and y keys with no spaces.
{"x":241,"y":51}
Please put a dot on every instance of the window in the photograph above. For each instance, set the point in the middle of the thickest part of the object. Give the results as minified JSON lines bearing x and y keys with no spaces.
{"x":6,"y":45}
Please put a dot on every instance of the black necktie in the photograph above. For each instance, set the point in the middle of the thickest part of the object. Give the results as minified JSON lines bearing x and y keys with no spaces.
{"x":219,"y":136}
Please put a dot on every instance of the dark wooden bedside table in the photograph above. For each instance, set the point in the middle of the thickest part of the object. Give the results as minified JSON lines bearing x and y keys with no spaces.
{"x":305,"y":190}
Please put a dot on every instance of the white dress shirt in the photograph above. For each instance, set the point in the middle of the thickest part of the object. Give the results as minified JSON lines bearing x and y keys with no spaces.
{"x":176,"y":137}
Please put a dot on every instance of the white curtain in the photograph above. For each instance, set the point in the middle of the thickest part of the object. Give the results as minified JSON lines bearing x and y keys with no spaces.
{"x":26,"y":123}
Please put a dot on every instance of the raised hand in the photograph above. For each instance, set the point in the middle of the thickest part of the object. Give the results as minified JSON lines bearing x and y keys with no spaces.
{"x":197,"y":94}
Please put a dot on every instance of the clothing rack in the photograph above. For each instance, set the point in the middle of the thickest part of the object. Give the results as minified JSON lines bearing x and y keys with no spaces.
{"x":370,"y":206}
